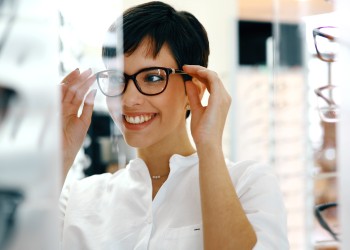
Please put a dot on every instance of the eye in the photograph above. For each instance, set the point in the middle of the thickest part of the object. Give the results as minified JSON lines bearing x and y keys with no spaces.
{"x":154,"y":78}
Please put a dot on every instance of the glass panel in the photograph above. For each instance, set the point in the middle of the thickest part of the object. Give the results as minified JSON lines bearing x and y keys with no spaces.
{"x":296,"y":100}
{"x":318,"y":111}
{"x":30,"y":157}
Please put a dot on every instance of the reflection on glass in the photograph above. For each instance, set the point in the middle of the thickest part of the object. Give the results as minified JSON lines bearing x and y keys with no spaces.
{"x":6,"y":95}
{"x":9,"y":201}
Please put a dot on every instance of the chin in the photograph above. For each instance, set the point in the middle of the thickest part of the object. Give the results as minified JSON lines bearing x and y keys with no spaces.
{"x":135,"y":143}
{"x":138,"y":140}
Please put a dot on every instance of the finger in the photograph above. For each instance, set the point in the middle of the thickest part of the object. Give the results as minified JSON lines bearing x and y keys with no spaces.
{"x":70,"y":79}
{"x":193,"y":95}
{"x":71,"y":76}
{"x":206,"y":76}
{"x":88,"y":107}
{"x":82,"y":90}
{"x":64,"y":88}
{"x":73,"y":88}
{"x":83,"y":76}
{"x":68,"y":92}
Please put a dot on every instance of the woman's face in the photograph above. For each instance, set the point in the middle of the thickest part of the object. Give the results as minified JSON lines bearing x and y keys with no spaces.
{"x":147,"y":121}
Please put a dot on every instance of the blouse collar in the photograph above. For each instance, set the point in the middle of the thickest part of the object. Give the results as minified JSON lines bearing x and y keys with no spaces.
{"x":176,"y":162}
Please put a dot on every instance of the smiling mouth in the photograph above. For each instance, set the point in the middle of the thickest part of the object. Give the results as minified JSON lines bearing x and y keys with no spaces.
{"x":138,"y":119}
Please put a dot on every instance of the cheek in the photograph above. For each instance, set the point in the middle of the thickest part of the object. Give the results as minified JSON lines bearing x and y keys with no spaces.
{"x":174,"y":108}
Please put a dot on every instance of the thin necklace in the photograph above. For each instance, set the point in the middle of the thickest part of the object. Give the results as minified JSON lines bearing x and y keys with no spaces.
{"x":157,"y":177}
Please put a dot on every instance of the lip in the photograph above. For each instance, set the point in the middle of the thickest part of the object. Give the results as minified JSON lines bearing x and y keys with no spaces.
{"x":138,"y":126}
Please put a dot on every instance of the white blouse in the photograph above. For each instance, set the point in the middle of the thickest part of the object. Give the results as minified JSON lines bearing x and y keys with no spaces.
{"x":116,"y":211}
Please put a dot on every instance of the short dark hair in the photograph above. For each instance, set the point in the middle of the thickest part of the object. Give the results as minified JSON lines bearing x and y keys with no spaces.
{"x":162,"y":24}
{"x":180,"y":30}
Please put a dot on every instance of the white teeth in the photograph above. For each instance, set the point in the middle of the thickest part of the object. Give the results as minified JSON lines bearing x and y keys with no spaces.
{"x":138,"y":119}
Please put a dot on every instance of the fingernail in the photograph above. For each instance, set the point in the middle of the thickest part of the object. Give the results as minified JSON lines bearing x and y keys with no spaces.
{"x":88,"y":70}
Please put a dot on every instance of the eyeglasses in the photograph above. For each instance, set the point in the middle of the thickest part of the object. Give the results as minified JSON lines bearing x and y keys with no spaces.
{"x":326,"y":215}
{"x":327,"y":47}
{"x":325,"y":41}
{"x":148,"y":81}
{"x":327,"y":103}
{"x":9,"y":201}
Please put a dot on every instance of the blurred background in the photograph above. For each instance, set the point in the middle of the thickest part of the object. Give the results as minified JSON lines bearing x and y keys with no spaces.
{"x":283,"y":61}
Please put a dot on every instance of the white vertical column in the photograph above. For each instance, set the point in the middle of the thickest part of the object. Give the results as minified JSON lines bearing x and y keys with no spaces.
{"x":30,"y":157}
{"x":343,"y":137}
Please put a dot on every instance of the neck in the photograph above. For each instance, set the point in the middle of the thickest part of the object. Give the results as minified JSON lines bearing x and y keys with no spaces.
{"x":158,"y":155}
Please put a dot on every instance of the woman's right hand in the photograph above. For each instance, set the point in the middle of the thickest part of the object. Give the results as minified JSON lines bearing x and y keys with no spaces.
{"x":74,"y":127}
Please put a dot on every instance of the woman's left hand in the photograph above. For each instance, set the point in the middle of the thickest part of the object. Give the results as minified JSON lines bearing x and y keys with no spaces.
{"x":207,"y":122}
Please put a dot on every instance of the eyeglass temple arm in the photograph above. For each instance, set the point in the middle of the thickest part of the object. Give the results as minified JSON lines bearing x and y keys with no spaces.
{"x":187,"y":77}
{"x":178,"y":71}
{"x":318,"y":32}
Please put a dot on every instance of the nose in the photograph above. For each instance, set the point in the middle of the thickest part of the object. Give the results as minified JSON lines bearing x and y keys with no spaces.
{"x":132,"y":97}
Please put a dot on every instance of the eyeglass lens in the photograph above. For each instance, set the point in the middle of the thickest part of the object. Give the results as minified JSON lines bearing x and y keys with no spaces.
{"x":150,"y":81}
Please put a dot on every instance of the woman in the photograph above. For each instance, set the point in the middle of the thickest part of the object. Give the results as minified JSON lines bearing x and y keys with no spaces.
{"x":174,"y":195}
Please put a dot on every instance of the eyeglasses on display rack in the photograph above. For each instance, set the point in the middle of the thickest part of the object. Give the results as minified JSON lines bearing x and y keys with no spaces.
{"x":9,"y":202}
{"x":325,"y":41}
{"x":327,"y":103}
{"x":327,"y":47}
{"x":148,"y":81}
{"x":326,"y":215}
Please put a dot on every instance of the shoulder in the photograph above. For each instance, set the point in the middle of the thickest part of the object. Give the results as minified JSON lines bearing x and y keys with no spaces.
{"x":254,"y":179}
{"x":89,"y":186}
{"x":248,"y":169}
{"x":257,"y":188}
{"x":85,"y":191}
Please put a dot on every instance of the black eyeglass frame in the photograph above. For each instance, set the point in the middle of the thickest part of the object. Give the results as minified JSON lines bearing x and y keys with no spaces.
{"x":318,"y":213}
{"x":132,"y":77}
{"x":317,"y":32}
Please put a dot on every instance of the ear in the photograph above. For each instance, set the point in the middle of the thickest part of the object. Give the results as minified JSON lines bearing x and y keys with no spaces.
{"x":200,"y":86}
